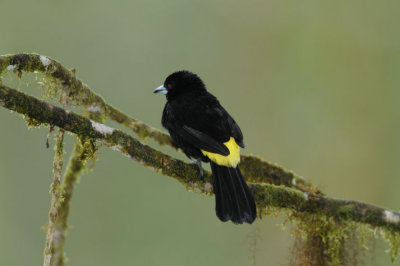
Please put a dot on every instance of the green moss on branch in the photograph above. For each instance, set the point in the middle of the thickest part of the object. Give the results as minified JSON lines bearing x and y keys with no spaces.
{"x":52,"y":252}
{"x":65,"y":81}
{"x":288,"y":198}
{"x":258,"y":171}
{"x":42,"y":112}
{"x":61,"y":80}
{"x":84,"y":150}
{"x":336,"y":213}
{"x":265,"y":195}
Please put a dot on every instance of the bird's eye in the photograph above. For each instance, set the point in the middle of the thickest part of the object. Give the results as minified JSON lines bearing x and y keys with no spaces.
{"x":169,"y":86}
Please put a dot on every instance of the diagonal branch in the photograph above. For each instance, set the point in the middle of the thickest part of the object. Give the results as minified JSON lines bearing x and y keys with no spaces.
{"x":265,"y":194}
{"x":80,"y":94}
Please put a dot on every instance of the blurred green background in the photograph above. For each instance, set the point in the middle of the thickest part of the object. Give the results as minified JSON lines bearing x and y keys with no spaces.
{"x":314,"y":86}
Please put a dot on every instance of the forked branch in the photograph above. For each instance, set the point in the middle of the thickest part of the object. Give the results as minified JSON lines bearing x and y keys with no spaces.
{"x":321,"y":217}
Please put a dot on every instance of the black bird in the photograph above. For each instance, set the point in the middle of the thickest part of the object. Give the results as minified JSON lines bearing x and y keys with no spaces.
{"x":204,"y":130}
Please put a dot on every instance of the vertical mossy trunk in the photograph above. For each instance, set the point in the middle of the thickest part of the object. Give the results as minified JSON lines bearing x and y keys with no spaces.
{"x":54,"y":253}
{"x":51,"y":252}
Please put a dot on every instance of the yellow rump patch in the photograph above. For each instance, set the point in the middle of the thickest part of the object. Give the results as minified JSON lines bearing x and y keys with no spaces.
{"x":230,"y":160}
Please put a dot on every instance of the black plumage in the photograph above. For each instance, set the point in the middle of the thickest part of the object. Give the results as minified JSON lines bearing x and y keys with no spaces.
{"x":197,"y":124}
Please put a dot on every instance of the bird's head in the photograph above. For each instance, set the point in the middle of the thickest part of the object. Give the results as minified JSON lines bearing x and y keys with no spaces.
{"x":179,"y":83}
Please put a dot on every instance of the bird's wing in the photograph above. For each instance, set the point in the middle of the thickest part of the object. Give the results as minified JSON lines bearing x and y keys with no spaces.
{"x":234,"y":129}
{"x":225,"y":123}
{"x":205,"y":124}
{"x":201,"y":140}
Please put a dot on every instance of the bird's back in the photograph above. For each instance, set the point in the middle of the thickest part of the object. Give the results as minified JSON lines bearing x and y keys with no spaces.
{"x":204,"y":113}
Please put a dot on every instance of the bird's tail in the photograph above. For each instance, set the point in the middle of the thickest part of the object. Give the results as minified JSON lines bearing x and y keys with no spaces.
{"x":233,"y":198}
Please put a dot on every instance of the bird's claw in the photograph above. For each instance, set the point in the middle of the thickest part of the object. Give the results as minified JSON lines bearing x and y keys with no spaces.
{"x":198,"y":164}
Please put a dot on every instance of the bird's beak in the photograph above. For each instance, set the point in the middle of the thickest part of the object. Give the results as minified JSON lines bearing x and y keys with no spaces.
{"x":161,"y":90}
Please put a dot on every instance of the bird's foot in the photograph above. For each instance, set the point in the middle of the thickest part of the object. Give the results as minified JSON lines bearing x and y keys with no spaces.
{"x":198,"y":164}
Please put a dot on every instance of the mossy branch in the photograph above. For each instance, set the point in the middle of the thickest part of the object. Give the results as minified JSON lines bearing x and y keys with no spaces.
{"x":266,"y":195}
{"x":51,"y":253}
{"x":62,"y":194}
{"x":324,"y":224}
{"x":66,"y":84}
